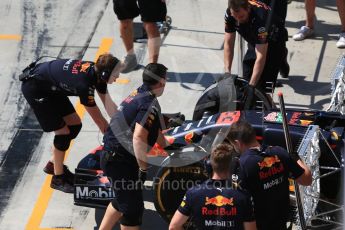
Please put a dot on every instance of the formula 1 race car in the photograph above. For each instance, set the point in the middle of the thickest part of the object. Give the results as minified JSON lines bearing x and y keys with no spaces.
{"x":317,"y":136}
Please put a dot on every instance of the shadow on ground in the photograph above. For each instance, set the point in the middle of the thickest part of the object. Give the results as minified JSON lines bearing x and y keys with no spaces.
{"x":310,"y":88}
{"x":203,"y":79}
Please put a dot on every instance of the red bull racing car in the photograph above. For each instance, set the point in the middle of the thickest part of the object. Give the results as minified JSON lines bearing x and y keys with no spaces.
{"x":317,"y":136}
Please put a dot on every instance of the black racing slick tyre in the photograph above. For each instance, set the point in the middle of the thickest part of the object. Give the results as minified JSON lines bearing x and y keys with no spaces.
{"x":171,"y":184}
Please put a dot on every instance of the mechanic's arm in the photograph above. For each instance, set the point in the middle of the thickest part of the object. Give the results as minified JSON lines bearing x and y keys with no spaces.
{"x":140,"y":136}
{"x":261,"y":53}
{"x":229,"y":44}
{"x":178,"y":221}
{"x":306,"y":178}
{"x":97,"y":117}
{"x":249,"y":225}
{"x":108,"y":103}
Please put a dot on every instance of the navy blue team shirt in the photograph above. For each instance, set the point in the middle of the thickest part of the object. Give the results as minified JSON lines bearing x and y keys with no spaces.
{"x":141,"y":107}
{"x":256,"y":30}
{"x":265,"y":176}
{"x":215,"y":205}
{"x":71,"y":78}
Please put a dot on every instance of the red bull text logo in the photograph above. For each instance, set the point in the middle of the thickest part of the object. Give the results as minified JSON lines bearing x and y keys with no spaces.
{"x":219,"y":201}
{"x":219,"y":211}
{"x":271,"y":172}
{"x":75,"y":67}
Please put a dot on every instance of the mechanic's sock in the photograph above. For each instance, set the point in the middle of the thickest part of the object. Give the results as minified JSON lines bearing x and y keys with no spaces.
{"x":49,"y":168}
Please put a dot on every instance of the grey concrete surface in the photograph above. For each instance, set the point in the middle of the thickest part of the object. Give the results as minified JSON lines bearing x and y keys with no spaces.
{"x":192,"y":51}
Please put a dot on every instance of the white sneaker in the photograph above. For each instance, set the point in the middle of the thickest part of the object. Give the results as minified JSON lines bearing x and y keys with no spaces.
{"x":303,"y":33}
{"x":341,"y":41}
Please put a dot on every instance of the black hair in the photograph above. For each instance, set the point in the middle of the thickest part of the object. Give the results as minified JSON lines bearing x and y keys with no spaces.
{"x":153,"y":72}
{"x":236,"y":5}
{"x":242,"y":131}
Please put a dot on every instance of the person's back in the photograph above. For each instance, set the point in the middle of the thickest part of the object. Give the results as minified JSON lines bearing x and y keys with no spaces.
{"x":70,"y":77}
{"x":215,"y":205}
{"x":265,"y":175}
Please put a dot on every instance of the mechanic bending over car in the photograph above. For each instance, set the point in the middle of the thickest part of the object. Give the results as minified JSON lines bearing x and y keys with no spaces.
{"x":131,"y":134}
{"x":264,"y":173}
{"x":47,"y":87}
{"x":262,"y":29}
{"x":216,"y":204}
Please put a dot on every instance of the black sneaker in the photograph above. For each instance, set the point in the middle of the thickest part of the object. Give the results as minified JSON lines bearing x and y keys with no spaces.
{"x":68,"y":175}
{"x":61,"y":183}
{"x":49,"y":169}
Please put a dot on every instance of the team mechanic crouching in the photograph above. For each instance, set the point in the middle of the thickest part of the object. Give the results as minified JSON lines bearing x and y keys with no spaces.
{"x":47,"y":87}
{"x":215,"y":204}
{"x":131,"y":134}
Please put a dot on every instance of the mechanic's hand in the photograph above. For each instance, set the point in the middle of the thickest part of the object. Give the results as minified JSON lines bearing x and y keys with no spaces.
{"x":176,"y":121}
{"x":142,"y":174}
{"x":249,"y":97}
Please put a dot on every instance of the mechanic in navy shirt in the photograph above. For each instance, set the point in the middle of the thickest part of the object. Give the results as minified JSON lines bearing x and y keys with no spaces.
{"x":131,"y":134}
{"x":279,"y":9}
{"x":265,"y":173}
{"x":256,"y":23}
{"x":215,"y":204}
{"x":47,"y":89}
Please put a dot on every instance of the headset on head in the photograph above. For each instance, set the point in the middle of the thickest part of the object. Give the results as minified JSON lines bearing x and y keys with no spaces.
{"x":105,"y":75}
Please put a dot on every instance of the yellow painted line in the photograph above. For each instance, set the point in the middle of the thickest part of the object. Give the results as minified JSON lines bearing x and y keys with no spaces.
{"x":56,"y":229}
{"x":10,"y":37}
{"x":122,"y":80}
{"x":46,"y":192}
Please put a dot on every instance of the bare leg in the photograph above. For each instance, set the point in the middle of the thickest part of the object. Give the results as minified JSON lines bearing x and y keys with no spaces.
{"x":341,"y":11}
{"x":110,"y":218}
{"x":126,"y":31}
{"x":310,"y":11}
{"x":154,"y":41}
{"x":129,"y":227}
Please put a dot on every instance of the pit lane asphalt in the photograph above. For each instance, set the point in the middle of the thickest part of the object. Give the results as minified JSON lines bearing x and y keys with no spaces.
{"x":193,"y":53}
